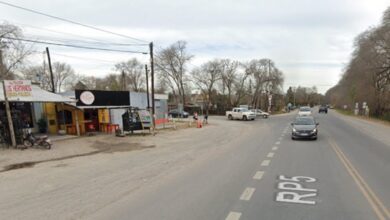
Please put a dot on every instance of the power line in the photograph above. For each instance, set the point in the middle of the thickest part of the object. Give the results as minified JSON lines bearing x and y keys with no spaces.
{"x":85,"y":58}
{"x":67,"y":40}
{"x":91,"y":40}
{"x":74,"y":46}
{"x":70,"y":21}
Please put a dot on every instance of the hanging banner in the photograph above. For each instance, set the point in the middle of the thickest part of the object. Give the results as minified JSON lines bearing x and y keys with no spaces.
{"x":18,"y":88}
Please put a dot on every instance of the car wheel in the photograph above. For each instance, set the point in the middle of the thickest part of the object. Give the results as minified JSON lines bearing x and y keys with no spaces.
{"x":244,"y":118}
{"x":292,"y":138}
{"x":230,"y":117}
{"x":253,"y":119}
{"x":315,"y":138}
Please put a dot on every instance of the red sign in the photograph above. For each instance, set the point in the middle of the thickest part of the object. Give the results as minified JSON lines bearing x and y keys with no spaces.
{"x":18,"y":88}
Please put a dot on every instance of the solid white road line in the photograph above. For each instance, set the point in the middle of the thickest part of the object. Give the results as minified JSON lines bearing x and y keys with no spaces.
{"x":247,"y":194}
{"x":258,"y":175}
{"x":274,"y":148}
{"x":233,"y":216}
{"x":265,"y":163}
{"x":270,"y":155}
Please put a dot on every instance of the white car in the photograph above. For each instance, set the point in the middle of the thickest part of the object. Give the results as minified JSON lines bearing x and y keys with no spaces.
{"x":240,"y":113}
{"x":259,"y":112}
{"x":304,"y":111}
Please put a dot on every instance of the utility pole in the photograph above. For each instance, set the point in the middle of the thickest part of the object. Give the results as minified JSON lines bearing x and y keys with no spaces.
{"x":269,"y":92}
{"x":53,"y":90}
{"x":123,"y":80}
{"x":147,"y":86}
{"x":152,"y":83}
{"x":9,"y":117}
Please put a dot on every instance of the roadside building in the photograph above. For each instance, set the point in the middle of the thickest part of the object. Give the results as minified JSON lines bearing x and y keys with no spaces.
{"x":28,"y":108}
{"x":103,"y":110}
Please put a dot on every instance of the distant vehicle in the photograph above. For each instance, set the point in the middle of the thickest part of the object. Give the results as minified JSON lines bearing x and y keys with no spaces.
{"x":304,"y":127}
{"x":259,"y":112}
{"x":175,"y":113}
{"x":240,"y":113}
{"x":323,"y":109}
{"x":304,"y":111}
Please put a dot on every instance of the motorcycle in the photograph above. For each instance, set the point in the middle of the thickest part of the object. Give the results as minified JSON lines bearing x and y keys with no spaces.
{"x":30,"y":140}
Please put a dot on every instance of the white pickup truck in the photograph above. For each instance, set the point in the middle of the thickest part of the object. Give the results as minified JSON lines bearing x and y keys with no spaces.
{"x":240,"y":113}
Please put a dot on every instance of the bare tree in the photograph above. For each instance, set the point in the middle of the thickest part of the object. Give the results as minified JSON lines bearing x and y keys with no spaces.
{"x":12,"y":51}
{"x":134,"y":74}
{"x":229,"y":76}
{"x":267,"y":78}
{"x":206,"y":77}
{"x":240,"y":87}
{"x":172,"y":62}
{"x":63,"y":76}
{"x":367,"y":76}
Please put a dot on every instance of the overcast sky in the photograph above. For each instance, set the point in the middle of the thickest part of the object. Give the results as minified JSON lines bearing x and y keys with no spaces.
{"x":310,"y":41}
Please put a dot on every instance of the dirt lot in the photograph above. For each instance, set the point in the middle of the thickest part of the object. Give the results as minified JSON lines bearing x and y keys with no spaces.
{"x":47,"y":190}
{"x":84,"y":146}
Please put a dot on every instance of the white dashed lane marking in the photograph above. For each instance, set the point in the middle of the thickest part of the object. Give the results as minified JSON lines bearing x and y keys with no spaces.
{"x":265,"y":162}
{"x":258,"y":175}
{"x":277,"y":143}
{"x":233,"y":216}
{"x":270,"y":155}
{"x":274,"y":148}
{"x":247,"y":194}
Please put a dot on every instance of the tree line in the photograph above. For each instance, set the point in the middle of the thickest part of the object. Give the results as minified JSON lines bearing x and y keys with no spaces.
{"x":218,"y":84}
{"x":366,"y":78}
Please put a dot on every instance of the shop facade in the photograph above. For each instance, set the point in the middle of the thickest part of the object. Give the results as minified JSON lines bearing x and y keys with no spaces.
{"x":103,"y":111}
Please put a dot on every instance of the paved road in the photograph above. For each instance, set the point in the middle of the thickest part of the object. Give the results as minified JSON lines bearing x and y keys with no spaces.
{"x":264,"y":174}
{"x":228,"y":170}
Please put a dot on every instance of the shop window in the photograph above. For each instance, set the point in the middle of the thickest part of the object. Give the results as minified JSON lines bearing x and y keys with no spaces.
{"x":64,"y":117}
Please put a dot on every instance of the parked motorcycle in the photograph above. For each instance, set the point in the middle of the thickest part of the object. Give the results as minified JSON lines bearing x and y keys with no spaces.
{"x":30,"y":140}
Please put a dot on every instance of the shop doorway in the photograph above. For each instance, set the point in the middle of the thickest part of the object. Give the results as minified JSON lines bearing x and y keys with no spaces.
{"x":91,"y":118}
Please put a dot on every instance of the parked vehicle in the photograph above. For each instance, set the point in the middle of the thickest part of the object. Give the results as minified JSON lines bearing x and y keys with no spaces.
{"x":304,"y":111}
{"x":240,"y":113}
{"x":259,"y":112}
{"x":323,"y":109}
{"x":175,"y":113}
{"x":304,"y":127}
{"x":30,"y":140}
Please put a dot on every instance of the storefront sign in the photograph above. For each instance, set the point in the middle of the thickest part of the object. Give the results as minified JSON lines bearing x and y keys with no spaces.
{"x":102,"y":98}
{"x":87,"y":97}
{"x":18,"y":88}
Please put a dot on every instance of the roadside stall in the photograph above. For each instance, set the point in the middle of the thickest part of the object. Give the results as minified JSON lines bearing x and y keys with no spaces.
{"x":25,"y":107}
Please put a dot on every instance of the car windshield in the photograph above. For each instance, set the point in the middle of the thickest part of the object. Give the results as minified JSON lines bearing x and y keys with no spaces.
{"x":304,"y":121}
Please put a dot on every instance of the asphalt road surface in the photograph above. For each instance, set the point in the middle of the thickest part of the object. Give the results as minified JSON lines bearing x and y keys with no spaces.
{"x":236,"y":170}
{"x":345,"y":174}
